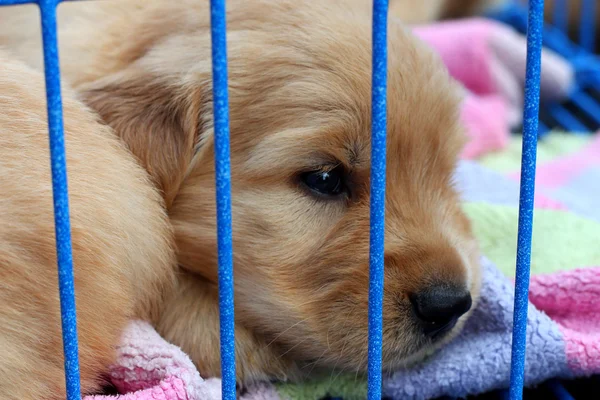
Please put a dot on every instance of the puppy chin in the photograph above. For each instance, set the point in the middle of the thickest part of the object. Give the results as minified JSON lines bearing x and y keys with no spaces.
{"x":425,"y":348}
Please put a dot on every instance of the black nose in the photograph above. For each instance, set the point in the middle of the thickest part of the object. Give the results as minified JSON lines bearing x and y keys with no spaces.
{"x":439,"y":307}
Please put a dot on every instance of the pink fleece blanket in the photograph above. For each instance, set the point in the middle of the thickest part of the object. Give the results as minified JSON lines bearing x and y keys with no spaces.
{"x":150,"y":368}
{"x":488,"y":58}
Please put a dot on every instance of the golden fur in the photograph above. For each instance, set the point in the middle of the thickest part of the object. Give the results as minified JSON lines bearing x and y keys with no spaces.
{"x":300,"y":83}
{"x":121,"y":240}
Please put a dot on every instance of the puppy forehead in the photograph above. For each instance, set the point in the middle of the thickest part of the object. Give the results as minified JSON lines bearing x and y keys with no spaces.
{"x":327,"y":127}
{"x":323,"y":143}
{"x":306,"y":101}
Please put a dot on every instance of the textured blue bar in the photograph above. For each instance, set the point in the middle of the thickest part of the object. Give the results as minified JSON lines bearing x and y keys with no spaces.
{"x":568,"y":122}
{"x":16,"y":2}
{"x":587,"y":28}
{"x":528,"y":160}
{"x":20,"y":2}
{"x":561,"y":15}
{"x":378,"y":157}
{"x":61,"y":198}
{"x":587,"y":104}
{"x":543,"y":130}
{"x":223,"y":183}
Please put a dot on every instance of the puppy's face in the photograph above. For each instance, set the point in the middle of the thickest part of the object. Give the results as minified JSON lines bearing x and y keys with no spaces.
{"x":300,"y":85}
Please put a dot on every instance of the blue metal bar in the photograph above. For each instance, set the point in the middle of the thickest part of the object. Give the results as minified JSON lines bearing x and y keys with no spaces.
{"x":567,"y":121}
{"x":21,"y":2}
{"x":561,"y":15}
{"x":17,"y":2}
{"x":587,"y":28}
{"x":223,"y":186}
{"x":543,"y":130}
{"x":587,"y":104}
{"x":378,"y":173}
{"x":61,"y":198}
{"x":527,"y":190}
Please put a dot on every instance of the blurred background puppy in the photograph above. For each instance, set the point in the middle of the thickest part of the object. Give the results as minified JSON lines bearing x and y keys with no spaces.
{"x":122,"y":241}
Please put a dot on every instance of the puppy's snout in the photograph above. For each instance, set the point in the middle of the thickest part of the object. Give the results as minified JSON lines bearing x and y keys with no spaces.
{"x":439,"y":307}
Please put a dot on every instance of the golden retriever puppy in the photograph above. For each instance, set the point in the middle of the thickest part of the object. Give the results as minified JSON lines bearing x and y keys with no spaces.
{"x":122,"y":247}
{"x":300,"y":90}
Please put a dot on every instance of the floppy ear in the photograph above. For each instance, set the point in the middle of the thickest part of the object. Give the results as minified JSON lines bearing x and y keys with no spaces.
{"x":158,"y":117}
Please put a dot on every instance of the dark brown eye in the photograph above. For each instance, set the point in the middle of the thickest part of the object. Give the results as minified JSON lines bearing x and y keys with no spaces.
{"x":328,"y":183}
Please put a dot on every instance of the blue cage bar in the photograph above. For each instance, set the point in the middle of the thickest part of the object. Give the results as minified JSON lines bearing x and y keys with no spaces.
{"x":60,"y":192}
{"x":528,"y":163}
{"x":223,"y":186}
{"x":377,"y":205}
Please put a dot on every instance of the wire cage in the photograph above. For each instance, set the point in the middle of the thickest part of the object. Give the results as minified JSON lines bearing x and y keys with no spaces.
{"x":573,"y":36}
{"x":534,"y":29}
